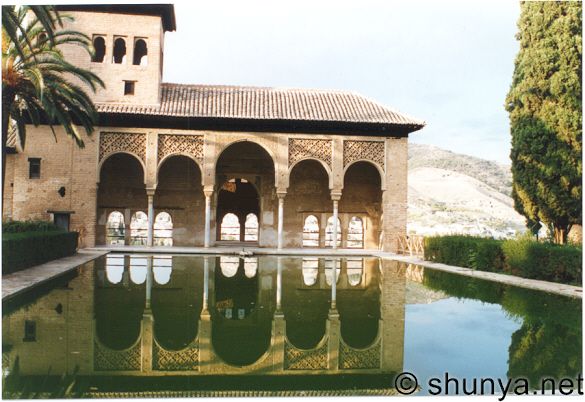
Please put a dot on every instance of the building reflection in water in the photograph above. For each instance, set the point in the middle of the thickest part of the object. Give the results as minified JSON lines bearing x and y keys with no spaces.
{"x":145,"y":315}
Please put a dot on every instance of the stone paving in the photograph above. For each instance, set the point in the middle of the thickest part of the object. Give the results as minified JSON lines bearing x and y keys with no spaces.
{"x":17,"y":282}
{"x":550,"y":287}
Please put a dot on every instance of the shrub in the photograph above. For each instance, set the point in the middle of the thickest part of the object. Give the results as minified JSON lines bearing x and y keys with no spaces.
{"x":523,"y":257}
{"x":24,"y":249}
{"x":545,"y":261}
{"x":28,"y":226}
{"x":465,"y":251}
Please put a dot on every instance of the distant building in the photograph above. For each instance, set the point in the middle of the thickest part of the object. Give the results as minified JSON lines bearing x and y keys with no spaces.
{"x":195,"y":165}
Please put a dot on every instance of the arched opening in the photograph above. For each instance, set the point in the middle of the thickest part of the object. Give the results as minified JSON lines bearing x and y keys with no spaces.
{"x":119,"y":56}
{"x":99,"y":47}
{"x":121,"y":188}
{"x":138,"y":229}
{"x":179,"y":193}
{"x":329,"y":232}
{"x":355,"y":233}
{"x":245,"y":180}
{"x":140,"y":53}
{"x":251,"y":229}
{"x":311,"y":232}
{"x":230,"y":228}
{"x":163,"y":229}
{"x":309,"y":193}
{"x":41,"y":39}
{"x":115,"y":229}
{"x":362,"y":198}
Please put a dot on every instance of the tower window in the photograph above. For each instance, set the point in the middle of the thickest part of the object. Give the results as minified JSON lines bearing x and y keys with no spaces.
{"x":129,"y":87}
{"x":140,"y":53}
{"x":99,"y":47}
{"x":119,"y":51}
{"x":34,"y":168}
{"x":30,"y":331}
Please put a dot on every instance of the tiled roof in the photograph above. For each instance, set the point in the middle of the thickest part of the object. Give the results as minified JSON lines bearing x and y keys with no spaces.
{"x":260,"y":103}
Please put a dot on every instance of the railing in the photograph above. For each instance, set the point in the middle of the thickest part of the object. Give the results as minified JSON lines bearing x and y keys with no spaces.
{"x":411,"y":245}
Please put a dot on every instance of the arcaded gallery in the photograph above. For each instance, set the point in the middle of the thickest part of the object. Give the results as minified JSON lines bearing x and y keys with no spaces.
{"x":211,"y":165}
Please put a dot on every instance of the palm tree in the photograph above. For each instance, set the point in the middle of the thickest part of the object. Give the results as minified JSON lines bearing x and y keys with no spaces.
{"x":38,"y":84}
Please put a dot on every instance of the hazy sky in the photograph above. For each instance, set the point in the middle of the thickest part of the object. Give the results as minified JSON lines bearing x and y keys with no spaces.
{"x":449,"y":63}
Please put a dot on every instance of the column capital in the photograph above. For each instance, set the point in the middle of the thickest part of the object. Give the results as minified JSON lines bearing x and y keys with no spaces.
{"x":208,"y":191}
{"x":281,"y":193}
{"x":150,"y":191}
{"x":335,"y":195}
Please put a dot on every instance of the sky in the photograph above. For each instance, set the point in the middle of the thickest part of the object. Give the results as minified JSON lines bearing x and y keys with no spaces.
{"x":449,"y":63}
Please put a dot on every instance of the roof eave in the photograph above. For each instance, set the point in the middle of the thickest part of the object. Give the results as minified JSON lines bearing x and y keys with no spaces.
{"x":256,"y":125}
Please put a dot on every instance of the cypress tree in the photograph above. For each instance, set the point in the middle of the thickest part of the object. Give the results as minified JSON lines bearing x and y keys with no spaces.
{"x":545,"y":108}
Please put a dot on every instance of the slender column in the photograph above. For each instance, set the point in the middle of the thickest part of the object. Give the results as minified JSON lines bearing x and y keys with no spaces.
{"x":281,"y":196}
{"x":147,"y":325}
{"x":279,"y":284}
{"x":148,"y":283}
{"x":208,"y":193}
{"x":205,"y":283}
{"x":334,"y":285}
{"x":150,"y":194}
{"x":335,"y":196}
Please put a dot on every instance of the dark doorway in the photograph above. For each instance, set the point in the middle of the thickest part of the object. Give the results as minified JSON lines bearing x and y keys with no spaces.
{"x":238,"y":208}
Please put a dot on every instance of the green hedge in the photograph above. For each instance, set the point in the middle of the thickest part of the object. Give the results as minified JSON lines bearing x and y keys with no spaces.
{"x":524,"y":257}
{"x":25,"y":249}
{"x":28,"y":226}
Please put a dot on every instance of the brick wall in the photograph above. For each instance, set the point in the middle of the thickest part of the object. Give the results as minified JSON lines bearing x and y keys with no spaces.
{"x":123,"y":187}
{"x":110,"y":27}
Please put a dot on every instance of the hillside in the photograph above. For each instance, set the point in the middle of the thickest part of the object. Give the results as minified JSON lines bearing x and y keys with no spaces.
{"x":454,"y":193}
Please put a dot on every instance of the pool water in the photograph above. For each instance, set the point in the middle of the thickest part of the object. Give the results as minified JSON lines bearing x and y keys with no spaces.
{"x":170,"y":325}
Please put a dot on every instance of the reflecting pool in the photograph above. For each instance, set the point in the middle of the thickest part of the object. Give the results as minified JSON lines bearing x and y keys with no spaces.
{"x":170,"y":325}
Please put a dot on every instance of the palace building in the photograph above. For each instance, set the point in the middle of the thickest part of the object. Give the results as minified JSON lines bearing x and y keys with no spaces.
{"x":210,"y":165}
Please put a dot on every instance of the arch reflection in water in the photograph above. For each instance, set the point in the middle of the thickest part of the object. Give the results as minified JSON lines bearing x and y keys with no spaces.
{"x":138,"y":269}
{"x":162,"y":268}
{"x":242,"y":310}
{"x":329,"y":264}
{"x":114,"y":268}
{"x":521,"y":351}
{"x":355,"y":267}
{"x":177,"y":300}
{"x":310,"y":267}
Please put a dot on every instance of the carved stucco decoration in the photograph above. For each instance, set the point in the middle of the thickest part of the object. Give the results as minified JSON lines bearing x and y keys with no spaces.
{"x":298,"y":359}
{"x":300,"y":148}
{"x":350,"y":358}
{"x":112,"y":142}
{"x":363,"y":150}
{"x":180,"y":360}
{"x":106,"y":359}
{"x":174,"y":144}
